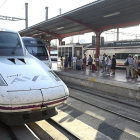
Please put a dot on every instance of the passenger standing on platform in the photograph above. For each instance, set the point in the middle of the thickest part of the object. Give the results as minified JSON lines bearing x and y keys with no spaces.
{"x":106,"y":59}
{"x":90,"y":62}
{"x":113,"y":66}
{"x":84,"y":62}
{"x":129,"y":68}
{"x":109,"y":65}
{"x":74,"y":61}
{"x":103,"y":63}
{"x":135,"y":63}
{"x":61,"y":62}
{"x":66,"y":62}
{"x":97,"y":62}
{"x":69,"y":60}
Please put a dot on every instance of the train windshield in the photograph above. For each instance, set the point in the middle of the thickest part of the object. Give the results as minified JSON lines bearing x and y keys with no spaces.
{"x":9,"y":40}
{"x":37,"y":50}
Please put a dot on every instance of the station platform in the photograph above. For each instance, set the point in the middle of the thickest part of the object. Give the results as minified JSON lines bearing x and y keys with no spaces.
{"x":117,"y":84}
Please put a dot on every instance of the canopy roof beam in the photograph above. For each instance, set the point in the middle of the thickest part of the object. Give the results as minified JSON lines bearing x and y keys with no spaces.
{"x":82,"y":23}
{"x":48,"y":32}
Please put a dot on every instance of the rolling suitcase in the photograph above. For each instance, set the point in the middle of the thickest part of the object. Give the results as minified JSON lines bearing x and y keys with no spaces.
{"x":93,"y":67}
{"x":78,"y":67}
{"x":138,"y":72}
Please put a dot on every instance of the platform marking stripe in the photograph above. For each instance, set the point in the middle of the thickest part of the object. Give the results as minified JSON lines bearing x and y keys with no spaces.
{"x":93,"y":79}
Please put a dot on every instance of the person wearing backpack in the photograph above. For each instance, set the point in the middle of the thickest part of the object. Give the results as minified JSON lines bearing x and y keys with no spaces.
{"x":84,"y":62}
{"x":90,"y":60}
{"x":129,"y":67}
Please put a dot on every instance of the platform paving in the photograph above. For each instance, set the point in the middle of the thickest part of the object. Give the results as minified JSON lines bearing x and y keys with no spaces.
{"x":115,"y":85}
{"x":119,"y":76}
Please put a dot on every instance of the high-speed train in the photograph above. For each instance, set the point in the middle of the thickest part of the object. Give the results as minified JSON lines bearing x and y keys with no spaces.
{"x":121,"y":49}
{"x":36,"y":47}
{"x":29,"y":90}
{"x":54,"y":55}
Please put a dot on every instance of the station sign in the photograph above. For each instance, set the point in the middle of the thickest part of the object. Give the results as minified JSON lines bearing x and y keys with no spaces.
{"x":126,"y":43}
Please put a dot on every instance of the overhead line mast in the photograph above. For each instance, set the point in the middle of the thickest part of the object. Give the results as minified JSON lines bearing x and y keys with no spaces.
{"x":18,"y":19}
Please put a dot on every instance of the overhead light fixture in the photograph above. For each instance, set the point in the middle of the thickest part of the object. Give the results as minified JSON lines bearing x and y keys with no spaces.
{"x":59,"y":28}
{"x":112,"y":14}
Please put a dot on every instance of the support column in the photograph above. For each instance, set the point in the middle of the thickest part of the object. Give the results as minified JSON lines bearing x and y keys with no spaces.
{"x":46,"y":13}
{"x":49,"y":48}
{"x":60,"y":39}
{"x":59,"y":11}
{"x":26,"y":15}
{"x":117,"y":34}
{"x":98,"y":43}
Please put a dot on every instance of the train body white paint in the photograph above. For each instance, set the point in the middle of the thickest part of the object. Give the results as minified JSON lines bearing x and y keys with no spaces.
{"x":29,"y":90}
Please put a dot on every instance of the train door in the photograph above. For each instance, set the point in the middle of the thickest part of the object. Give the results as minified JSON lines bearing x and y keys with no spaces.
{"x":78,"y":52}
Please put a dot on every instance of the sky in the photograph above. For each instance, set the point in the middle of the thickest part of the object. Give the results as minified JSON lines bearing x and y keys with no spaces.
{"x":36,"y":14}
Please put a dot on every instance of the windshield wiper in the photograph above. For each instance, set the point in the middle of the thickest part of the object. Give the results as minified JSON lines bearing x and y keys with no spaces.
{"x":33,"y":52}
{"x":18,"y":43}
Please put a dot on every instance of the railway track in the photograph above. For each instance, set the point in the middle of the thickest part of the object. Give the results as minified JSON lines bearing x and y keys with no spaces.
{"x":107,"y":109}
{"x":12,"y":134}
{"x":49,"y":129}
{"x":69,"y":133}
{"x":36,"y":131}
{"x":97,"y":93}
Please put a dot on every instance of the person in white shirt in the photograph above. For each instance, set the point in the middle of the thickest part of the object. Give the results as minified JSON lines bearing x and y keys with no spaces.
{"x":74,"y":61}
{"x":109,"y":65}
{"x":97,"y":62}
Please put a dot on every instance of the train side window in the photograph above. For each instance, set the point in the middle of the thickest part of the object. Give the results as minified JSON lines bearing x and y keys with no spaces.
{"x":70,"y":51}
{"x":121,"y":55}
{"x":124,"y":55}
{"x":59,"y":52}
{"x":117,"y":56}
{"x":66,"y":51}
{"x":63,"y":51}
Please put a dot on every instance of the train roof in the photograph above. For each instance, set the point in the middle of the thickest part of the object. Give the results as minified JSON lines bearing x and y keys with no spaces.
{"x":30,"y":38}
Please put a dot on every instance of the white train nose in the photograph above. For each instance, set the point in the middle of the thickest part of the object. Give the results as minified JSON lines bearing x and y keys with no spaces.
{"x":53,"y":93}
{"x":25,"y":100}
{"x":30,"y":99}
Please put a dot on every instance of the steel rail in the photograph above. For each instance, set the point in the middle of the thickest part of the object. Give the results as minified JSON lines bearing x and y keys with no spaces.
{"x":12,"y":134}
{"x":102,"y":96}
{"x":110,"y":111}
{"x":66,"y":130}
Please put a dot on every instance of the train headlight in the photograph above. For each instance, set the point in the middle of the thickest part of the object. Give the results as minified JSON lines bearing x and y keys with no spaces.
{"x":54,"y":76}
{"x":67,"y":91}
{"x":2,"y":81}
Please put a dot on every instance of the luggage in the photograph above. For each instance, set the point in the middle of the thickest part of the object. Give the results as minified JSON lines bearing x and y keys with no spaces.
{"x":138,"y":72}
{"x":93,"y":67}
{"x":78,"y":67}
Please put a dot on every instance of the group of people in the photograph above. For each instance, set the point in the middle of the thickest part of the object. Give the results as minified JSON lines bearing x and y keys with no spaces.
{"x":108,"y":64}
{"x":131,"y":62}
{"x":68,"y":61}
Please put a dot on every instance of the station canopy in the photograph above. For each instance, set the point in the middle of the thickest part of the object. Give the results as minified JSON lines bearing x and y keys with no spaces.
{"x":98,"y":16}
